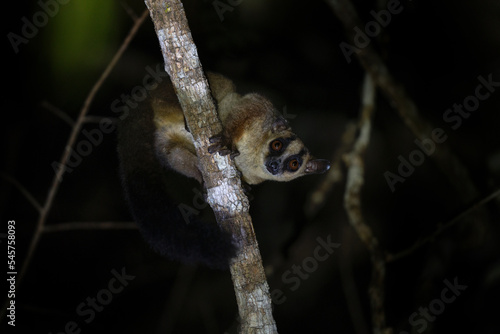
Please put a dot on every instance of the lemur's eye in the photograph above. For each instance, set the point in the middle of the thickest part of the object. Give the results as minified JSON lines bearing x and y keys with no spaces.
{"x":276,"y":145}
{"x":293,"y":165}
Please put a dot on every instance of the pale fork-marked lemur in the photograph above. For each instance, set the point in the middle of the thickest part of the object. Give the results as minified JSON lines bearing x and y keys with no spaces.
{"x":153,"y":140}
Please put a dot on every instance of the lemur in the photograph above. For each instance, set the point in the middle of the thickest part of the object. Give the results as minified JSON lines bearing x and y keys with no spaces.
{"x":153,"y":140}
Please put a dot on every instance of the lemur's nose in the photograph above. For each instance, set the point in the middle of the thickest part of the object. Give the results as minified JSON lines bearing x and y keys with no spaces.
{"x":273,"y":167}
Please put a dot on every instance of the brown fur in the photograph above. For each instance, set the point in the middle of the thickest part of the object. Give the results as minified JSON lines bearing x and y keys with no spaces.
{"x":248,"y":124}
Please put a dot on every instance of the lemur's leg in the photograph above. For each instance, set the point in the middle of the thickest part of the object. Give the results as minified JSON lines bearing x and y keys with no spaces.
{"x":185,"y":162}
{"x":177,"y":152}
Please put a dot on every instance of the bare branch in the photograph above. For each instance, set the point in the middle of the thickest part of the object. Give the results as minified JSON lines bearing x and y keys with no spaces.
{"x":450,"y":165}
{"x":352,"y":296}
{"x":59,"y":113}
{"x":130,"y":11}
{"x":352,"y":202}
{"x":441,"y":227}
{"x":23,"y":191}
{"x":72,"y":138}
{"x":318,"y":196}
{"x":177,"y":295}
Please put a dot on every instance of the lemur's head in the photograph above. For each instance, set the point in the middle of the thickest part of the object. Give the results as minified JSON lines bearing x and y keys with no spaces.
{"x":286,"y":157}
{"x":277,"y":153}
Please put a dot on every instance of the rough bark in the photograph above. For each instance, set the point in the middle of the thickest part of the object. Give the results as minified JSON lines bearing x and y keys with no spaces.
{"x":224,"y":192}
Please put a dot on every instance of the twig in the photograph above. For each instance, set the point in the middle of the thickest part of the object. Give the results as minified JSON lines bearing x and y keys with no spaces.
{"x":178,"y":292}
{"x":352,"y":203}
{"x":447,"y":162}
{"x":349,"y":283}
{"x":224,"y":192}
{"x":74,"y":134}
{"x":59,"y":113}
{"x":72,"y":138}
{"x":23,"y":191}
{"x":318,"y":196}
{"x":440,"y":229}
{"x":129,"y":11}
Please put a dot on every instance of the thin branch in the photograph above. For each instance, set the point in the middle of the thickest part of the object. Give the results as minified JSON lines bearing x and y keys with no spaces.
{"x":129,"y":11}
{"x":59,"y":113}
{"x":318,"y":196}
{"x":74,"y":226}
{"x":23,"y":191}
{"x":352,"y":203}
{"x":446,"y":160}
{"x":441,"y":227}
{"x":72,"y":138}
{"x":177,"y":296}
{"x":352,"y":297}
{"x":81,"y":118}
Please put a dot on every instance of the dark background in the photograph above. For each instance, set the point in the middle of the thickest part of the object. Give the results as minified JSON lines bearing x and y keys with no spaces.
{"x":288,"y":51}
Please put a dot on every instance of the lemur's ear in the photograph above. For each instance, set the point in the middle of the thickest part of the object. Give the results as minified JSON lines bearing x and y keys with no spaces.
{"x":317,"y":166}
{"x":280,"y":124}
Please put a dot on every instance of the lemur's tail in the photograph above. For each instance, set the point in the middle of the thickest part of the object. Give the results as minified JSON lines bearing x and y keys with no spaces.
{"x":167,"y":231}
{"x":160,"y":220}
